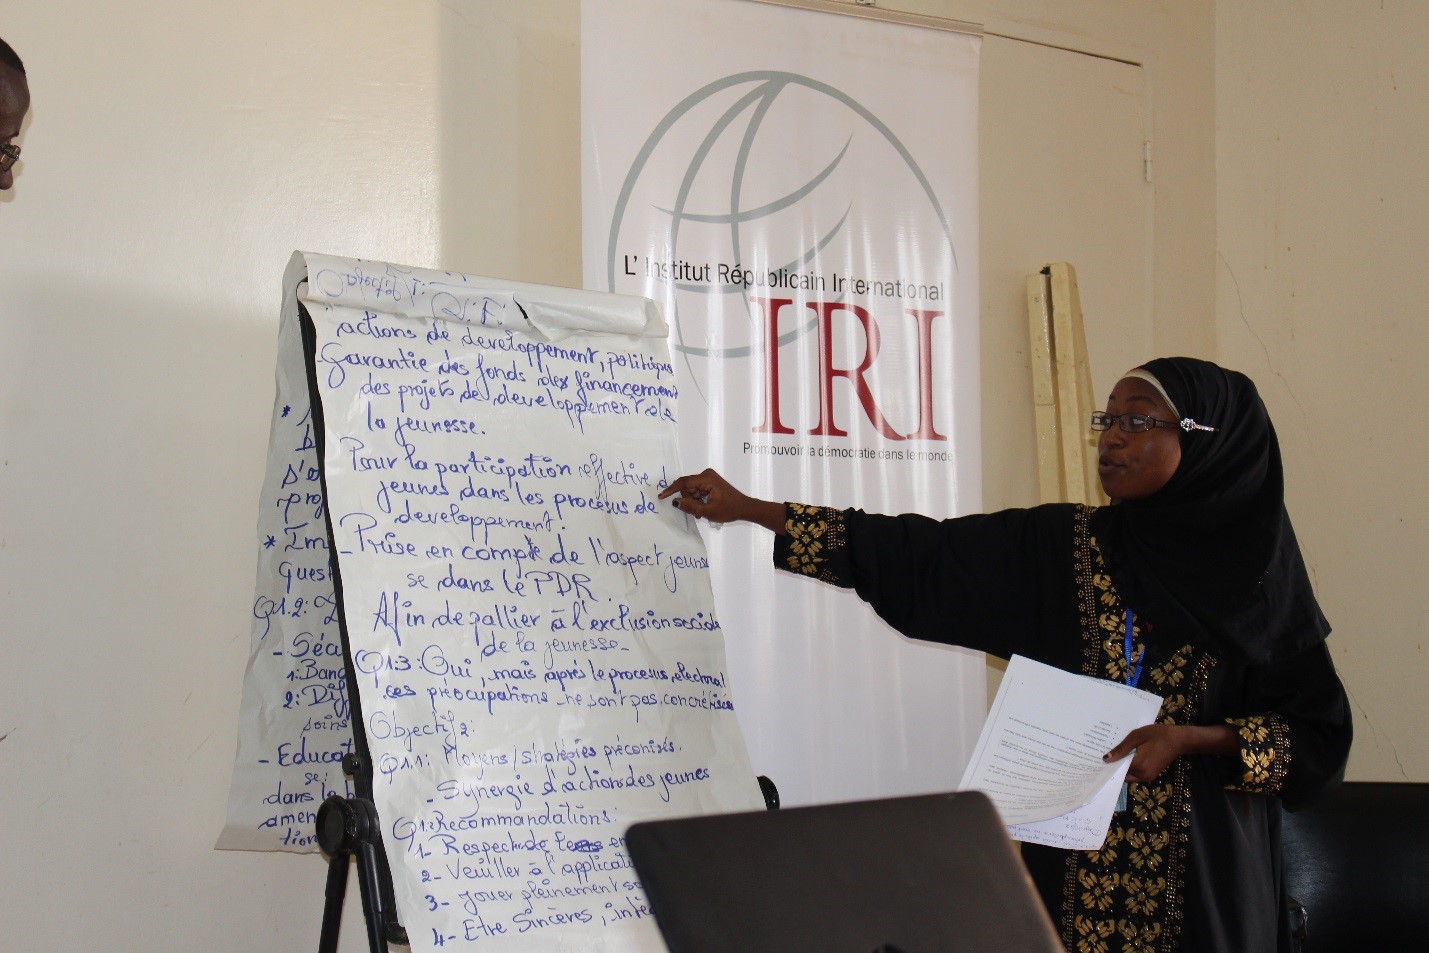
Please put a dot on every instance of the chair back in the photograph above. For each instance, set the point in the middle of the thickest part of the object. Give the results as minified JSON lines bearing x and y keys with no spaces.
{"x":1357,"y":859}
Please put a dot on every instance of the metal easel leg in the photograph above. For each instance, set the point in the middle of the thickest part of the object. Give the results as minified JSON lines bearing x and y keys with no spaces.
{"x":347,"y":827}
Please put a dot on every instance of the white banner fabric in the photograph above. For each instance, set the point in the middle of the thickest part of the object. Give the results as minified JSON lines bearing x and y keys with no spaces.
{"x":798,"y":190}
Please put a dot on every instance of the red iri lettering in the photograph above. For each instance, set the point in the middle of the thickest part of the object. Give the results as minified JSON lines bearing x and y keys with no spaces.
{"x":925,"y":429}
{"x":827,"y":371}
{"x":770,"y":308}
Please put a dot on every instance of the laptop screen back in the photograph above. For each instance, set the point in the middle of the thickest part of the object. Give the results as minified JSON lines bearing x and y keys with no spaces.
{"x":926,"y":874}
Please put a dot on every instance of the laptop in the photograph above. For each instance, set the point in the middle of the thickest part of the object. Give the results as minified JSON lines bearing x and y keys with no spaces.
{"x":927,"y":874}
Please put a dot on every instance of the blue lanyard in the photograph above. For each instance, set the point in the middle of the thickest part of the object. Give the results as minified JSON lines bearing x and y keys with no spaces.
{"x":1132,"y":676}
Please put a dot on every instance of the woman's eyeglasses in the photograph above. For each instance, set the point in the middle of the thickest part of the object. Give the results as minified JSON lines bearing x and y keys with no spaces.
{"x":9,"y":155}
{"x":1140,"y":423}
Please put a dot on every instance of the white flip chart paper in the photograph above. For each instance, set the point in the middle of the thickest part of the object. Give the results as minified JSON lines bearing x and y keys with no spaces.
{"x":538,"y":660}
{"x":293,"y":726}
{"x":1039,"y":756}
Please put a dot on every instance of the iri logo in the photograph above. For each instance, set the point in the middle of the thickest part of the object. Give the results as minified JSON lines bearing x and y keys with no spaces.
{"x":803,"y":259}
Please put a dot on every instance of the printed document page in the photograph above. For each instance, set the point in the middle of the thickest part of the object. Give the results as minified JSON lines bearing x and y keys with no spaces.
{"x":1039,"y":757}
{"x":1082,"y":829}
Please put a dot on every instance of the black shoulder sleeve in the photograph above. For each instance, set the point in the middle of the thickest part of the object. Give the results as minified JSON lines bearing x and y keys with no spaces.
{"x":986,"y":582}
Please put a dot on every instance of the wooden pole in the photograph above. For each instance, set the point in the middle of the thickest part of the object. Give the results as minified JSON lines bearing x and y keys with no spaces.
{"x":1050,"y":485}
{"x":1066,"y":446}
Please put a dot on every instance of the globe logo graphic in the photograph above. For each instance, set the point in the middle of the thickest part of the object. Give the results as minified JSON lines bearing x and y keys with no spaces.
{"x":755,"y":186}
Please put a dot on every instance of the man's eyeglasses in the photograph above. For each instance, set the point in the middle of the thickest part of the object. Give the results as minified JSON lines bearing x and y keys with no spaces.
{"x":9,"y":155}
{"x":1140,"y":423}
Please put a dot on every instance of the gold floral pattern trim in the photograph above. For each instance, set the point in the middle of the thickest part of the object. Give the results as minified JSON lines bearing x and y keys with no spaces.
{"x":815,"y":534}
{"x":1264,"y":753}
{"x":1129,"y":895}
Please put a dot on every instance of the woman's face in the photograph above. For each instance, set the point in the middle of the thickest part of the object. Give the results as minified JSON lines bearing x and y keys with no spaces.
{"x":1133,"y":466}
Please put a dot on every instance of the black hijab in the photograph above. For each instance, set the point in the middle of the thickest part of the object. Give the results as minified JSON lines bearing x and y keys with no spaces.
{"x":1211,"y":556}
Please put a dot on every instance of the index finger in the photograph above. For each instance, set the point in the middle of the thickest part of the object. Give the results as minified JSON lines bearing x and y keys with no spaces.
{"x":678,"y":485}
{"x":1124,"y":747}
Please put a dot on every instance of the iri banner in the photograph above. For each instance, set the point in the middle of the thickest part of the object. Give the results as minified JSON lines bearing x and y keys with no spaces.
{"x":798,"y":190}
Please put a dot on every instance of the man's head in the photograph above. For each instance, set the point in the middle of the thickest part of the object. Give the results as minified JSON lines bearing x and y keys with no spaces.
{"x":14,"y":103}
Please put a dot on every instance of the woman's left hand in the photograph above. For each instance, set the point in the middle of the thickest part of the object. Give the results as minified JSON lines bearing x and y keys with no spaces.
{"x":1156,"y":746}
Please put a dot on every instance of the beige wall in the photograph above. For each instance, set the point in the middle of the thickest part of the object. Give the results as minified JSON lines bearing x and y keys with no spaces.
{"x":172,"y":162}
{"x":176,"y":156}
{"x":1322,"y":212}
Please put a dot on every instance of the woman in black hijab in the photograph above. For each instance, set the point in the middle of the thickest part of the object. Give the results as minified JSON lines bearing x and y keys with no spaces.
{"x":1191,"y":585}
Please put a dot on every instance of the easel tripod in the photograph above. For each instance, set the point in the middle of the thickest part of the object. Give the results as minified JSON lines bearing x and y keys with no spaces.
{"x":348,"y":827}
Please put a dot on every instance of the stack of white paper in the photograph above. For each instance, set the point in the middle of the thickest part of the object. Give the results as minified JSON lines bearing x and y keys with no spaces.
{"x":1039,"y":757}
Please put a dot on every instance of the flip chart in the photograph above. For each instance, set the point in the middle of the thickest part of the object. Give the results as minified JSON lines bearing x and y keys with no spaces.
{"x":534,"y":644}
{"x":294,"y":726}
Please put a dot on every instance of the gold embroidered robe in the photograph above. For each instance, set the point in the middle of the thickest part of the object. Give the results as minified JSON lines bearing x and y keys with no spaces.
{"x":1193,"y":864}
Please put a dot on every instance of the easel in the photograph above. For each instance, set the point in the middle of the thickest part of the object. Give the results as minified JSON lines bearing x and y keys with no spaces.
{"x":1062,"y":389}
{"x":349,"y":828}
